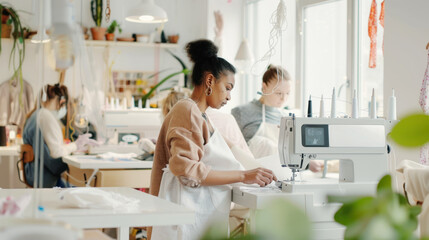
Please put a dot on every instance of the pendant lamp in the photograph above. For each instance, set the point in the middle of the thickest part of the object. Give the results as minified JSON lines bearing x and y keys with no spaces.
{"x":244,"y":57}
{"x":43,"y":10}
{"x":147,"y":12}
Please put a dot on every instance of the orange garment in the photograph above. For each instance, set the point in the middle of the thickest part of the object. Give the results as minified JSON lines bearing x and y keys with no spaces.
{"x":382,"y":14}
{"x":372,"y":33}
{"x":382,"y":19}
{"x":180,"y":144}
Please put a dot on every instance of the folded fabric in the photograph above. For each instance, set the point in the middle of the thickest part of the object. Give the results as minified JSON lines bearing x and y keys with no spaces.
{"x":97,"y":199}
{"x":10,"y":206}
{"x":109,"y":155}
{"x":416,"y":177}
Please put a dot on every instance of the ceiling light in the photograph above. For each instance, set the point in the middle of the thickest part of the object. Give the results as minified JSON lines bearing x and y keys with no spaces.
{"x":147,"y":12}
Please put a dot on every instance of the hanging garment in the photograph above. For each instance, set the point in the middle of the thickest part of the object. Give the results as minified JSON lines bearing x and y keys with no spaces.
{"x":210,"y":203}
{"x":264,"y":142}
{"x":372,"y":33}
{"x":14,"y":105}
{"x":424,"y":104}
{"x":382,"y":19}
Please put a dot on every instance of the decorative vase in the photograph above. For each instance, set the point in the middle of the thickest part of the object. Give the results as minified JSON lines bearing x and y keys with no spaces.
{"x":110,"y":36}
{"x":98,"y":33}
{"x":6,"y":30}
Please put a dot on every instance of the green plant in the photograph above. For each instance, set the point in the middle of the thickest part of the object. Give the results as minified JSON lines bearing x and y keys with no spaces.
{"x":17,"y":53}
{"x":148,"y":95}
{"x":183,"y":67}
{"x":97,"y":11}
{"x":385,"y":216}
{"x":411,"y":131}
{"x":113,"y":26}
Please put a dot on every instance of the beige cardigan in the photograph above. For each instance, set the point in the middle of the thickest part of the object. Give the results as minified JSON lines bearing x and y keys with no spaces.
{"x":181,"y":145}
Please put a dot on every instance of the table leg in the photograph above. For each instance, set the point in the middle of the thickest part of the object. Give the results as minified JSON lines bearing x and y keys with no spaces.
{"x":252,"y":220}
{"x":123,"y":233}
{"x":88,"y":183}
{"x":11,"y":170}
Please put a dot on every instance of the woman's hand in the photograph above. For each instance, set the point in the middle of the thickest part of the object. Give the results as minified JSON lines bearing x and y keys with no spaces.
{"x":260,"y":176}
{"x":316,"y":165}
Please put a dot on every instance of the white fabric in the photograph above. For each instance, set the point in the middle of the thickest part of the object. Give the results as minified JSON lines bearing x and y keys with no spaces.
{"x":417,"y":186}
{"x":52,"y":134}
{"x":264,"y":142}
{"x":11,"y":206}
{"x":109,"y":155}
{"x":97,"y":199}
{"x":210,"y":203}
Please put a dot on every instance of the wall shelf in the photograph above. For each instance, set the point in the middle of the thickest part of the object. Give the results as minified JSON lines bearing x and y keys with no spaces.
{"x":96,"y":43}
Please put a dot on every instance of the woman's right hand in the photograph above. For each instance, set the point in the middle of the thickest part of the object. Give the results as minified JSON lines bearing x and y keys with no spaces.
{"x":260,"y":176}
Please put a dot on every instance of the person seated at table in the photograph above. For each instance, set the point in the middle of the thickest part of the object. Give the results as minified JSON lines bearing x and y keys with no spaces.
{"x":42,"y":131}
{"x":259,"y":119}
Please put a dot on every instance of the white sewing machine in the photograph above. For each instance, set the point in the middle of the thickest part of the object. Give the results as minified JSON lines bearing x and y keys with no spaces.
{"x":125,"y":127}
{"x":359,"y":144}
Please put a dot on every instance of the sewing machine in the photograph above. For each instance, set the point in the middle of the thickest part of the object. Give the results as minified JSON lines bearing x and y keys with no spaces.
{"x":124,"y":128}
{"x":359,"y":144}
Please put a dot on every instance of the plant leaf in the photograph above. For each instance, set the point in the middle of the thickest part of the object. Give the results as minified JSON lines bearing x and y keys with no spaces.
{"x":385,"y":185}
{"x":411,"y":131}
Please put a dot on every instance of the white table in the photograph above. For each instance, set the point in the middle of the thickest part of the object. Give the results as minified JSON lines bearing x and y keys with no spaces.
{"x":8,"y":172}
{"x":94,"y":163}
{"x":152,"y":211}
{"x":312,"y":199}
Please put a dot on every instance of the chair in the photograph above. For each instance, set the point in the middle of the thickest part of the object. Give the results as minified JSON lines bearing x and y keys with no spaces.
{"x":26,"y":156}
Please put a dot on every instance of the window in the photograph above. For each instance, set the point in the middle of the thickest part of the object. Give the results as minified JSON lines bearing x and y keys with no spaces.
{"x":258,"y":28}
{"x":325,"y":45}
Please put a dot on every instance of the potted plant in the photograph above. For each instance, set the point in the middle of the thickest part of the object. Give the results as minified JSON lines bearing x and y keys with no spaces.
{"x":13,"y":24}
{"x":6,"y":28}
{"x":110,"y":35}
{"x":97,"y":12}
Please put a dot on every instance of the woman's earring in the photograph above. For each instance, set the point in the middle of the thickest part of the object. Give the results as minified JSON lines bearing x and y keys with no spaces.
{"x":209,"y":91}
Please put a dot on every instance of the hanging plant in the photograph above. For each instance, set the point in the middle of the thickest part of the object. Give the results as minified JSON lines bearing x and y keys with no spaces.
{"x":17,"y":54}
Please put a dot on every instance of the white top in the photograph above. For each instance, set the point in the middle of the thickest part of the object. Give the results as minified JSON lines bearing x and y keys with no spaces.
{"x":52,"y":134}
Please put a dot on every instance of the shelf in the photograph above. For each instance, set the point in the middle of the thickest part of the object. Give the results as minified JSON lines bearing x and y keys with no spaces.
{"x":100,"y":43}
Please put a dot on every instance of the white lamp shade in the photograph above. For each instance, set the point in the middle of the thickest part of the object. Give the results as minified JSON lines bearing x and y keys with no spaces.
{"x":40,"y":37}
{"x":244,"y":52}
{"x":147,"y":12}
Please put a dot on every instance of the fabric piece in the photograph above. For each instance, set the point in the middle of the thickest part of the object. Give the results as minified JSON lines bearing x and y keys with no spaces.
{"x":210,"y":203}
{"x":228,"y":127}
{"x":372,"y":33}
{"x":382,"y":19}
{"x":11,"y":206}
{"x":180,"y":144}
{"x":416,"y":178}
{"x":424,"y":104}
{"x":249,"y":117}
{"x":12,"y":109}
{"x":95,"y":198}
{"x":53,"y":167}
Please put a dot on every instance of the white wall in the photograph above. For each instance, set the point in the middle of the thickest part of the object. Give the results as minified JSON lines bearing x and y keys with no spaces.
{"x":405,"y":61}
{"x":191,"y":19}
